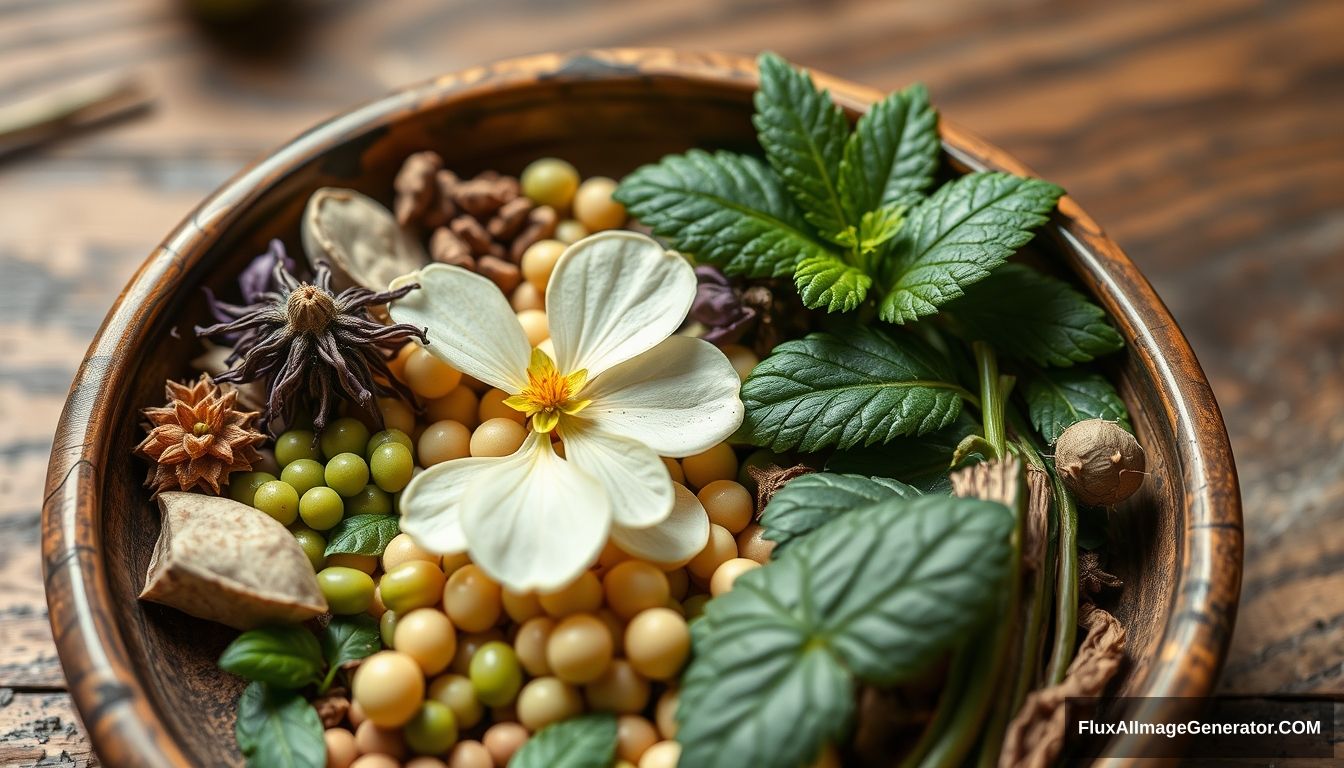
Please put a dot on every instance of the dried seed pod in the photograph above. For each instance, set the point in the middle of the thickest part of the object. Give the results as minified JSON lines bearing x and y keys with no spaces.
{"x":220,"y":560}
{"x":541,"y":223}
{"x":1100,"y":462}
{"x":502,"y":273}
{"x":415,"y":186}
{"x":447,"y":248}
{"x":472,"y":233}
{"x":359,"y":238}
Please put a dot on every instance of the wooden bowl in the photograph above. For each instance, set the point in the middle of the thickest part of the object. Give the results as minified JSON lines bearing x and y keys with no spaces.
{"x":143,"y":676}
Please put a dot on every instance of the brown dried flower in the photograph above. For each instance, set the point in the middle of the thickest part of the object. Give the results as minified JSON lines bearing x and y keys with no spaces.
{"x":303,"y":340}
{"x":199,"y":438}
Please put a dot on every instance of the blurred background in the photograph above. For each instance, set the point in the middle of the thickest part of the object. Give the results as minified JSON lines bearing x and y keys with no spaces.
{"x":1205,"y":135}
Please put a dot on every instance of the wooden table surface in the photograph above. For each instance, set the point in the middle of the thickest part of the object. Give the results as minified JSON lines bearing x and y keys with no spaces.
{"x":1207,"y":136}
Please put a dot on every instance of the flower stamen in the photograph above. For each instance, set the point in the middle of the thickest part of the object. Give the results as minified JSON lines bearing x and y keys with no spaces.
{"x":548,"y":393}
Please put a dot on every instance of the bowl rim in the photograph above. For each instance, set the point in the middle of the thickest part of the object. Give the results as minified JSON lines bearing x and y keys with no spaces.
{"x":121,"y":718}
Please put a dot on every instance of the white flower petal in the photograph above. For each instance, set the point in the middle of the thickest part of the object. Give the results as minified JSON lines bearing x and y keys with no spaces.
{"x":533,"y":520}
{"x":431,"y":505}
{"x":614,"y":295}
{"x":679,"y":398}
{"x":675,"y":540}
{"x":471,"y":325}
{"x":636,"y":479}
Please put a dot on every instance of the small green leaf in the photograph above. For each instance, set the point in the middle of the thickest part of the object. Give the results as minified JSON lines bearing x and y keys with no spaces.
{"x":803,"y":134}
{"x":875,"y":595}
{"x":957,"y":237}
{"x":1058,"y":399}
{"x":879,"y":226}
{"x":728,"y":210}
{"x":362,"y":535}
{"x":892,"y":155}
{"x":282,"y":656}
{"x":864,"y":387}
{"x":279,"y":729}
{"x":588,"y":741}
{"x":1025,"y":314}
{"x":809,"y":502}
{"x":827,"y":282}
{"x":922,"y":462}
{"x":350,"y":638}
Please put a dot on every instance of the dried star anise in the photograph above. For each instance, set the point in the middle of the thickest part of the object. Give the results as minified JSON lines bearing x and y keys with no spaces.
{"x":306,"y":342}
{"x":199,"y":438}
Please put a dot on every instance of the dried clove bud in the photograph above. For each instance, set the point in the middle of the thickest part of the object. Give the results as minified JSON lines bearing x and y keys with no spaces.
{"x":541,"y":223}
{"x":502,"y":273}
{"x":415,"y":186}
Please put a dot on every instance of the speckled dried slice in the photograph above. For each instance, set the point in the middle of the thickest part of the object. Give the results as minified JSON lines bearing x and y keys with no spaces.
{"x":359,"y":238}
{"x":224,"y":561}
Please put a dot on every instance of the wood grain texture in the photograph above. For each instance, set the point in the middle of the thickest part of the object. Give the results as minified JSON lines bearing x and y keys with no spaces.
{"x":1203,"y":134}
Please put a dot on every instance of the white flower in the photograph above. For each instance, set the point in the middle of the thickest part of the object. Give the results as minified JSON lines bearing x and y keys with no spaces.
{"x":621,"y":392}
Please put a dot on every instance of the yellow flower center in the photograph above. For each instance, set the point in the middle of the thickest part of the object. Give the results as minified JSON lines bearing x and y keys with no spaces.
{"x":548,"y":393}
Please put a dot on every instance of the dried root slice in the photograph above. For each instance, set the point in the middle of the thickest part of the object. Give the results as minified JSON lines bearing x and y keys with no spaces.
{"x":359,"y":238}
{"x":1100,"y":462}
{"x":220,"y":560}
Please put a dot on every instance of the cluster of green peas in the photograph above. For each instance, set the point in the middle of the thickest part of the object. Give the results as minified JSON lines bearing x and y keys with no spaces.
{"x":361,"y":475}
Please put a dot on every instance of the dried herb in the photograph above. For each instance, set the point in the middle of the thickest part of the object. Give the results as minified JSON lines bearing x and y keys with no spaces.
{"x":199,"y":438}
{"x":312,"y":346}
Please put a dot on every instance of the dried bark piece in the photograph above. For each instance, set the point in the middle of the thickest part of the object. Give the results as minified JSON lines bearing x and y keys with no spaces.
{"x":417,"y":191}
{"x":359,"y":238}
{"x":1036,"y":735}
{"x":502,"y":273}
{"x":990,"y":480}
{"x":220,"y":560}
{"x":1036,"y":533}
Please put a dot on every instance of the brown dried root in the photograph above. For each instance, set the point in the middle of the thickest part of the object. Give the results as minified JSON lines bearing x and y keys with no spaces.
{"x":989,"y":480}
{"x":1035,"y":737}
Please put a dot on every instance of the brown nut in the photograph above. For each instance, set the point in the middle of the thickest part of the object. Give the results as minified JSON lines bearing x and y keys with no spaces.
{"x":502,"y":273}
{"x":472,"y":233}
{"x":415,"y":186}
{"x":541,"y":223}
{"x":480,"y":197}
{"x":510,"y":218}
{"x":447,"y":248}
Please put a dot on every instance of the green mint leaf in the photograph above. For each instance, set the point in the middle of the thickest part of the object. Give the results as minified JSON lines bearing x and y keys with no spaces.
{"x":892,"y":155}
{"x":279,"y":729}
{"x":806,"y":503}
{"x":875,"y":595}
{"x":827,"y":282}
{"x":1058,"y":399}
{"x":759,"y":689}
{"x":588,"y":741}
{"x":350,"y":638}
{"x":803,"y":134}
{"x":1025,"y":314}
{"x":922,"y":462}
{"x":879,"y":226}
{"x":362,"y":535}
{"x":957,"y":237}
{"x":864,"y":387}
{"x":282,"y":656}
{"x":726,"y":209}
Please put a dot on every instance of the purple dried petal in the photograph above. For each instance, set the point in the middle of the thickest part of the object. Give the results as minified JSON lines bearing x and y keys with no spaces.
{"x":256,"y":277}
{"x":733,"y":332}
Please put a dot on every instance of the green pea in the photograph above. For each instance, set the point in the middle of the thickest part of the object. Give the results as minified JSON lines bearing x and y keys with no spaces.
{"x":294,"y":445}
{"x":303,"y":474}
{"x":761,"y":458}
{"x":389,"y":436}
{"x":391,"y":466}
{"x":243,"y":485}
{"x":371,"y":500}
{"x":279,"y":500}
{"x":550,"y":181}
{"x":344,"y":435}
{"x":495,"y":674}
{"x":387,"y":627}
{"x":413,"y":584}
{"x":321,"y":508}
{"x":432,"y":730}
{"x":347,"y":590}
{"x":314,"y":546}
{"x":347,"y":473}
